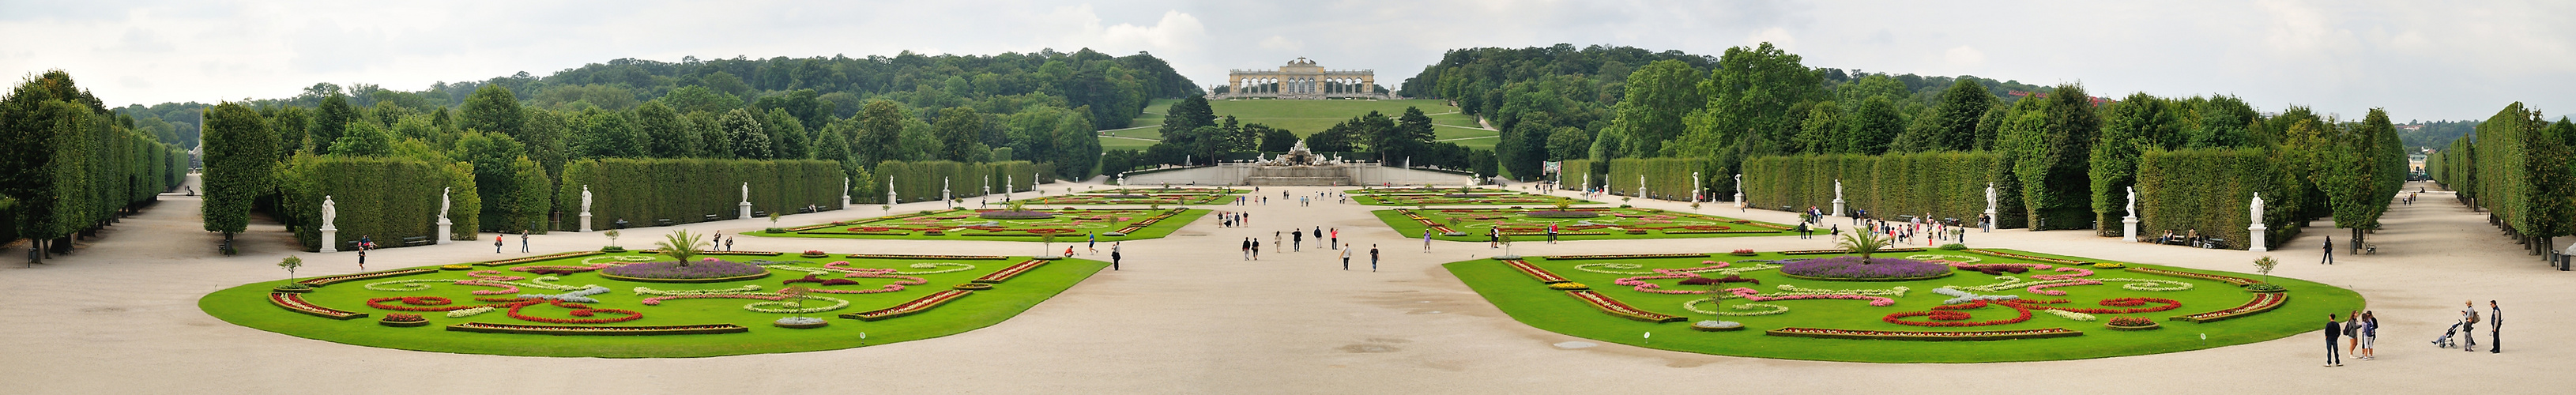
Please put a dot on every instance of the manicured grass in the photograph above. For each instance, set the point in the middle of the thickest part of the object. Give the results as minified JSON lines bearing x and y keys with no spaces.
{"x":1011,"y":229}
{"x":1533,"y":303}
{"x":1475,"y":221}
{"x":1153,"y":112}
{"x":1305,"y":117}
{"x":247,"y":305}
{"x":1419,"y":190}
{"x":1111,"y":143}
{"x":1485,"y":199}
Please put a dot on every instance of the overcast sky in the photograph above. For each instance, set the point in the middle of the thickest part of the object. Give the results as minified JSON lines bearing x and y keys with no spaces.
{"x":2421,"y":60}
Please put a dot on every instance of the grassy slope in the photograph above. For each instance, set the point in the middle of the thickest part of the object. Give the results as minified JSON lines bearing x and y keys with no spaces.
{"x":1407,"y":226}
{"x":1532,"y":303}
{"x":1156,"y":231}
{"x":1305,"y":117}
{"x":247,"y":305}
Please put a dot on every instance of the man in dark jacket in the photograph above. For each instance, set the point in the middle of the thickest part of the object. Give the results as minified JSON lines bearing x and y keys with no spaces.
{"x":2334,"y":331}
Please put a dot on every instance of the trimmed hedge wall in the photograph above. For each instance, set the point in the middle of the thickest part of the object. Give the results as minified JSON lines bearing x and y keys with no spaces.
{"x":685,"y":190}
{"x":1942,"y":184}
{"x":387,"y":198}
{"x":2210,"y":190}
{"x":1665,"y":178}
{"x":920,"y":181}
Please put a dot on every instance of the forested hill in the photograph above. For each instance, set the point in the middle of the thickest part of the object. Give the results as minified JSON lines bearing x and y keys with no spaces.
{"x":815,"y":89}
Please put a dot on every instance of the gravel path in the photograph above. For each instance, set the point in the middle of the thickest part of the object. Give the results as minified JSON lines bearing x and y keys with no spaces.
{"x":1186,"y":316}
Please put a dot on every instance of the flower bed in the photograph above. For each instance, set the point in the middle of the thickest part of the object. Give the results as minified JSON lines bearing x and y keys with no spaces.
{"x":2239,"y":281}
{"x":908,"y":308}
{"x":403,"y":320}
{"x":1561,"y":214}
{"x":296,"y":303}
{"x":1624,"y":256}
{"x":971,"y":287}
{"x":507,"y":262}
{"x":327,"y":280}
{"x":2029,"y":257}
{"x":1923,"y":335}
{"x":1623,"y":310}
{"x":1015,"y":215}
{"x":910,"y":256}
{"x":800,"y":323}
{"x":1534,"y":271}
{"x":2131,"y":324}
{"x":1568,"y":286}
{"x":1844,"y":251}
{"x":1852,"y":268}
{"x":669,"y":271}
{"x":599,"y":330}
{"x":1008,"y":272}
{"x":1717,"y":326}
{"x":2262,"y":302}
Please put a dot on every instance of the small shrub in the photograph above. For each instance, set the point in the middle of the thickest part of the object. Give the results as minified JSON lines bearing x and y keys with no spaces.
{"x":774,"y":230}
{"x":1954,"y":246}
{"x":2264,"y":265}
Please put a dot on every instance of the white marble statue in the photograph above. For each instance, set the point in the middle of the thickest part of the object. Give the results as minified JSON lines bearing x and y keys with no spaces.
{"x":2258,"y":208}
{"x":746,"y":192}
{"x":585,"y":198}
{"x":442,"y":202}
{"x":330,"y":212}
{"x":2133,"y":202}
{"x":1838,"y":189}
{"x":1990,"y":196}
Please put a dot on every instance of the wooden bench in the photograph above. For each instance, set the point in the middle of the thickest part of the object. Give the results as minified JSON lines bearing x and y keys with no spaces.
{"x":758,"y":214}
{"x":710,"y":218}
{"x":662,"y":222}
{"x":415,"y":240}
{"x":804,"y":210}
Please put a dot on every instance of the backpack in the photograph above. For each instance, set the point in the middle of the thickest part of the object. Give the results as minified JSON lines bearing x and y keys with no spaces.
{"x":2473,"y":316}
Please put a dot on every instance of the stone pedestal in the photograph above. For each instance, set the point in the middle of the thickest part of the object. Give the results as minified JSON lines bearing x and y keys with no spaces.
{"x":2129,"y":229}
{"x":330,"y":239}
{"x":1989,"y":226}
{"x":2256,"y":243}
{"x":1838,"y":207}
{"x":447,"y":228}
{"x":1739,"y":200}
{"x":585,"y":222}
{"x":746,"y":210}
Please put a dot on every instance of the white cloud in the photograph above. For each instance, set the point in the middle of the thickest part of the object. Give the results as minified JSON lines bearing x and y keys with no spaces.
{"x":1964,"y":56}
{"x":1282,"y":43}
{"x":1776,"y":36}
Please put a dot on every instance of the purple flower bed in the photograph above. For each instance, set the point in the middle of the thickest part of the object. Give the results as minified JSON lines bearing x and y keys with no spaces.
{"x":1851,"y":267}
{"x":672,"y":270}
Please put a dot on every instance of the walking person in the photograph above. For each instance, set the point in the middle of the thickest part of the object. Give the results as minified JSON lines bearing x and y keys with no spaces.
{"x":2334,"y":330}
{"x":496,"y":244}
{"x":1247,"y":248}
{"x":362,"y":259}
{"x":1256,"y":248}
{"x":1372,"y":258}
{"x":1551,"y":233}
{"x":2495,"y":324}
{"x":523,"y":241}
{"x":1426,"y":241}
{"x":729,"y":244}
{"x":1113,"y":256}
{"x":1297,"y":241}
{"x":1275,"y":240}
{"x":1319,"y":233}
{"x":1337,"y":239}
{"x":2330,"y":260}
{"x":1091,"y":241}
{"x":1346,"y":257}
{"x":1493,"y":238}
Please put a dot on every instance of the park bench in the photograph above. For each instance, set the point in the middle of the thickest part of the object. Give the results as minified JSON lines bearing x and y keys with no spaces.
{"x":710,"y":218}
{"x":662,"y":222}
{"x":804,"y":210}
{"x":758,"y":214}
{"x":415,"y":240}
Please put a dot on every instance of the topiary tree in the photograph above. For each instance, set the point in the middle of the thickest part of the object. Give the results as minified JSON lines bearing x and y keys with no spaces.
{"x":612,"y":237}
{"x":290,"y":263}
{"x":1863,"y":242}
{"x":2264,"y":265}
{"x":680,"y":244}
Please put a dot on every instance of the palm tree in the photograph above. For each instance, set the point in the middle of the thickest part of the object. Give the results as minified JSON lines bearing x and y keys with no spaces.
{"x":1864,"y":242}
{"x":680,"y":244}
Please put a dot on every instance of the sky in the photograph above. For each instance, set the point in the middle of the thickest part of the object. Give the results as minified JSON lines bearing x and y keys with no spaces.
{"x":2419,"y":60}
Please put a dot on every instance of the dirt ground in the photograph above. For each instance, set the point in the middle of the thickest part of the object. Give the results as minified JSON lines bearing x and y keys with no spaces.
{"x":1185,"y":316}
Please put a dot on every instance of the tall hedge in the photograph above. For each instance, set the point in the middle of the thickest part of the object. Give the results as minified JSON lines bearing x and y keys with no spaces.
{"x":1940,"y":184}
{"x":921,"y":181}
{"x":2211,"y":190}
{"x":1578,"y":171}
{"x":2521,"y":172}
{"x":386,"y":198}
{"x":685,"y":190}
{"x":1665,"y":178}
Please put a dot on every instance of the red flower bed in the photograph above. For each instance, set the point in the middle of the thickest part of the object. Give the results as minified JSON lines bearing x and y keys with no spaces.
{"x":910,"y":256}
{"x":2239,"y":281}
{"x":1008,"y":272}
{"x":1623,"y":310}
{"x":811,"y":278}
{"x":403,"y":318}
{"x":1950,"y":316}
{"x":442,"y":303}
{"x":327,"y":280}
{"x":1922,"y":335}
{"x":914,"y":306}
{"x":1534,"y":271}
{"x":2167,"y":304}
{"x":598,"y":330}
{"x":2262,"y":302}
{"x":579,"y":310}
{"x":295,"y":302}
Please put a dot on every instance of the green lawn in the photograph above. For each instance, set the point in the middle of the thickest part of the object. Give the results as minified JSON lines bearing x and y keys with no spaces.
{"x":1611,"y":225}
{"x":1153,"y":112}
{"x":247,"y":305}
{"x":964,"y":224}
{"x":1305,"y":117}
{"x":1533,"y":303}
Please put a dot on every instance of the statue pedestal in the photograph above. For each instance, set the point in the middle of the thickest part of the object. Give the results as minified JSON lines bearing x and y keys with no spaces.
{"x":2129,"y":229}
{"x":1989,"y":226}
{"x":585,"y":222}
{"x":1739,"y":200}
{"x":446,"y":229}
{"x":1838,"y":207}
{"x":330,"y":239}
{"x":745,"y":210}
{"x":2256,"y":243}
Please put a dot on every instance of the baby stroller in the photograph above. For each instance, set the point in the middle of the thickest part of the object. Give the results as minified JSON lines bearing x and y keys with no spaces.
{"x":2445,"y":340}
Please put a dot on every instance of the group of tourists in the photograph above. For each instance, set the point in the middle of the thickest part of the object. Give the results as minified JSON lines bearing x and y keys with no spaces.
{"x":2356,"y":332}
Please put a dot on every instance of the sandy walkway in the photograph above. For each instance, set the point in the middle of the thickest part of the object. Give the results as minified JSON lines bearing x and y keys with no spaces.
{"x":1186,"y":316}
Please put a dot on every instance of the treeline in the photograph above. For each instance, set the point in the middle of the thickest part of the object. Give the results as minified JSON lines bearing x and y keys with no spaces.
{"x":69,"y":167}
{"x":1555,"y":103}
{"x":2520,"y":168}
{"x":1194,"y":135}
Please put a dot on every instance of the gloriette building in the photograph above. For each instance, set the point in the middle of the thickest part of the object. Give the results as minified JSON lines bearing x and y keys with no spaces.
{"x":1302,"y":79}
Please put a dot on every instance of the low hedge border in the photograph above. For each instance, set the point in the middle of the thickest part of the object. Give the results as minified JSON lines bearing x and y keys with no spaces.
{"x":569,"y":330}
{"x":1824,"y":333}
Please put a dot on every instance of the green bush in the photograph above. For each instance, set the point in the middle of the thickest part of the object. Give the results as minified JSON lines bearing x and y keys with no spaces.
{"x":685,"y":190}
{"x":1942,"y":184}
{"x":921,"y":181}
{"x":2209,"y":190}
{"x":386,"y":198}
